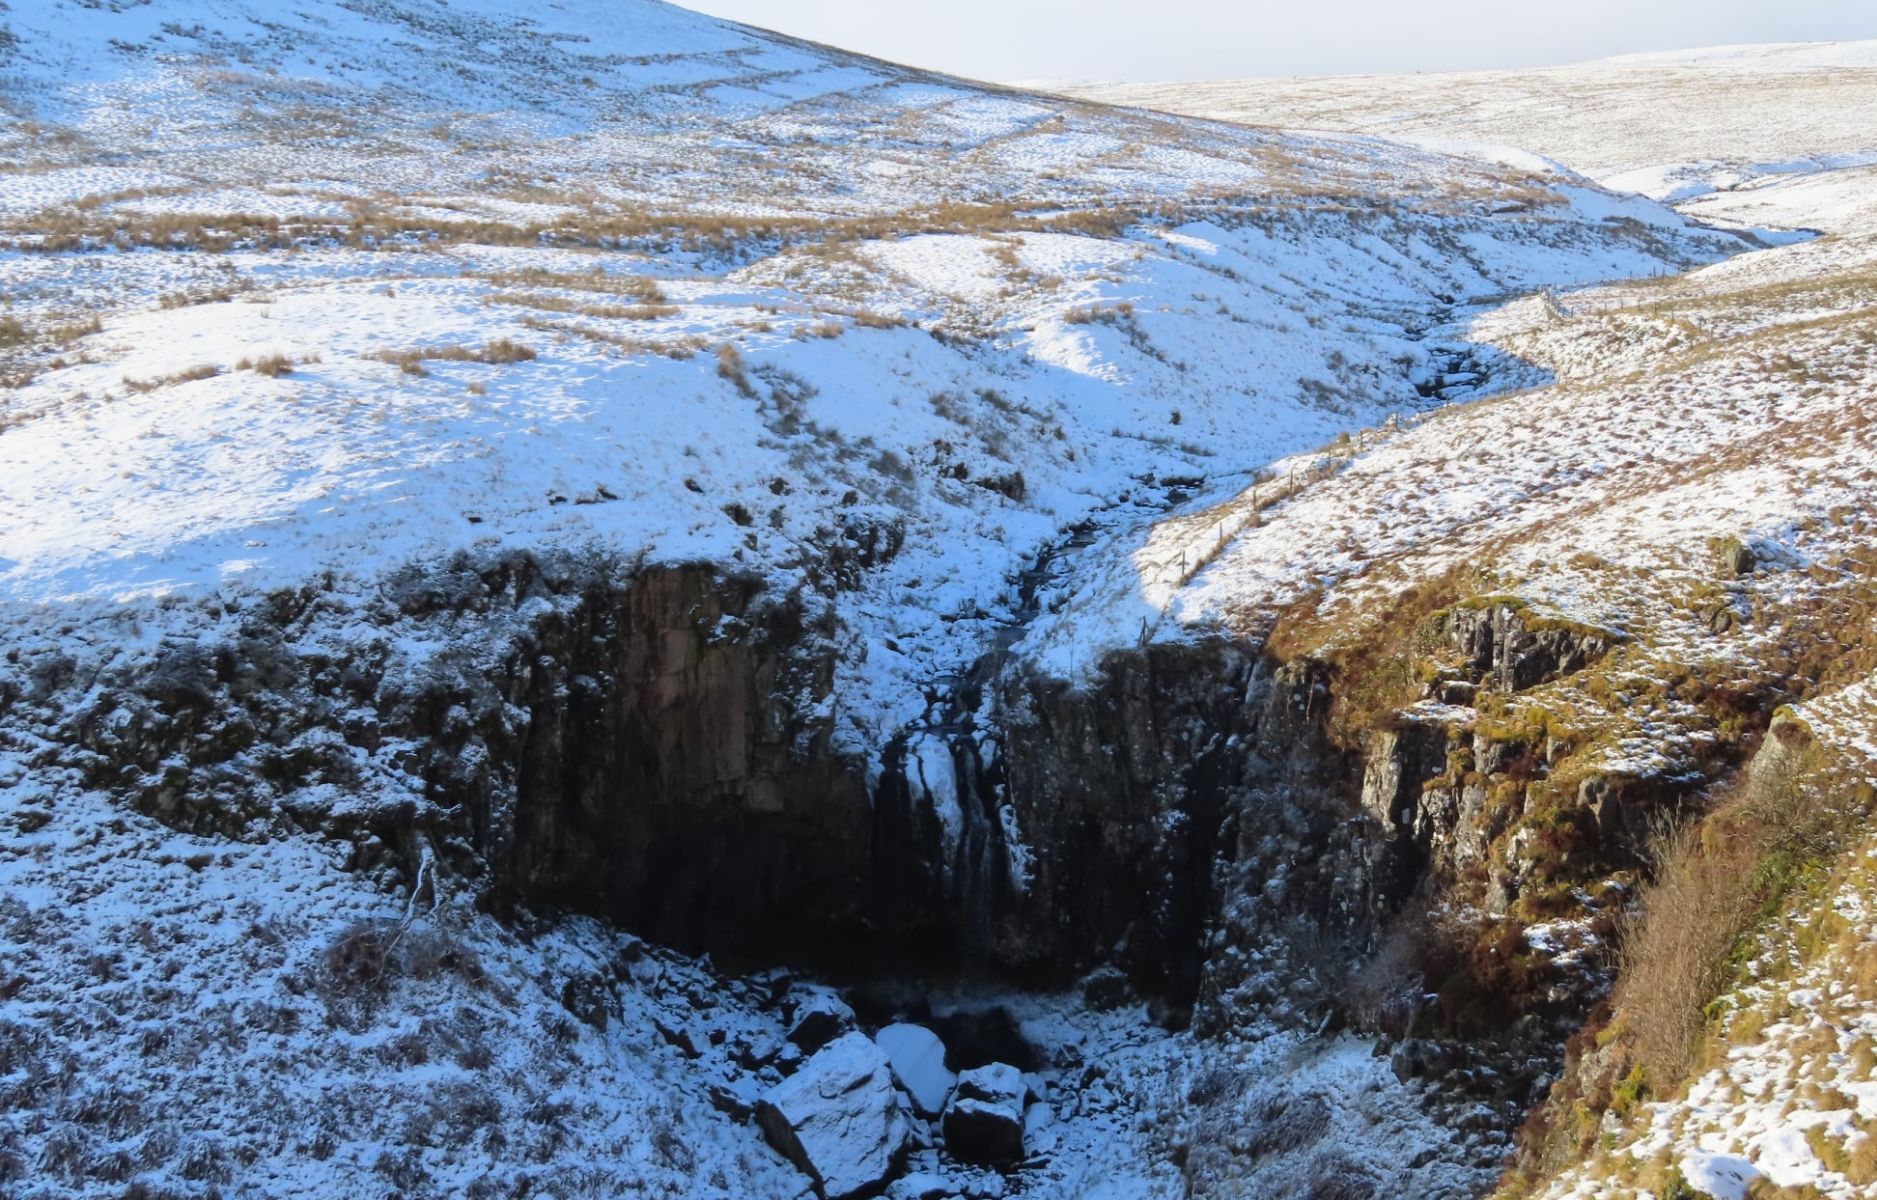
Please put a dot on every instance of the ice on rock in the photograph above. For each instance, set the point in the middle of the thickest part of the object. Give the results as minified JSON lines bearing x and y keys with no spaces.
{"x":838,"y":1118}
{"x":917,"y":1057}
{"x":984,"y":1122}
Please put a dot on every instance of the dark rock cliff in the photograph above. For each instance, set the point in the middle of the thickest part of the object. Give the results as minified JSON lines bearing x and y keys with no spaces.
{"x":655,"y":744}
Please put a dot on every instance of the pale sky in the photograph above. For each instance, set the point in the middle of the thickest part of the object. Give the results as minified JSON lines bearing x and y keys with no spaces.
{"x":1140,"y":40}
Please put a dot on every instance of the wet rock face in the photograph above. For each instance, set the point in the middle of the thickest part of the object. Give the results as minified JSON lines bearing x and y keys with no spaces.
{"x":1305,"y":875}
{"x":1118,"y":795}
{"x":648,"y":744}
{"x":637,"y":756}
{"x":1399,"y":764}
{"x":1426,"y":782}
{"x":581,"y":734}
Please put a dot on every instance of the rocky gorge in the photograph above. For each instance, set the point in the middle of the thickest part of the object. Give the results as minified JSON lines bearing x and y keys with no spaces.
{"x":1199,"y":827}
{"x":673,"y":612}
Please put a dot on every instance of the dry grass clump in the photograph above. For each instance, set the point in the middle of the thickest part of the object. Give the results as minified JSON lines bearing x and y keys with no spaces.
{"x":371,"y":224}
{"x":1088,"y":314}
{"x":84,"y":228}
{"x":1716,"y":881}
{"x":634,"y":287}
{"x":1765,"y":1189}
{"x":730,"y":366}
{"x":64,"y":334}
{"x":679,"y":349}
{"x":169,"y":300}
{"x":495,"y":352}
{"x":1854,"y":1158}
{"x":356,"y":972}
{"x":12,"y":331}
{"x":616,"y":312}
{"x":505,"y":350}
{"x":203,"y":371}
{"x":1677,"y":957}
{"x":271,"y":365}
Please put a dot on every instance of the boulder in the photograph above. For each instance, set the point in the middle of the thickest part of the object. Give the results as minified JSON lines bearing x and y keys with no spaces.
{"x":838,"y":1118}
{"x":817,"y":1015}
{"x":1737,"y":559}
{"x":917,"y":1057}
{"x":1106,"y":989}
{"x":984,"y":1122}
{"x":922,"y":1185}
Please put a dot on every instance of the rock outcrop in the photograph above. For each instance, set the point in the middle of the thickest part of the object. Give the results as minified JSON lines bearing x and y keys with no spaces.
{"x":1504,"y":648}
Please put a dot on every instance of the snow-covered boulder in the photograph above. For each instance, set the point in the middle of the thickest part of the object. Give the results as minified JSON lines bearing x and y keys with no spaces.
{"x":984,"y":1122}
{"x":817,"y":1015}
{"x":838,"y":1118}
{"x":917,"y":1057}
{"x":922,"y":1185}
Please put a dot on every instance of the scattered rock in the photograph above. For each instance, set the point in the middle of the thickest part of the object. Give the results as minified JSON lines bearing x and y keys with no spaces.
{"x":838,"y":1118}
{"x":585,"y":997}
{"x":629,"y":953}
{"x":757,"y":1051}
{"x":734,"y":1099}
{"x":773,"y":984}
{"x":816,"y":1017}
{"x":676,"y":1034}
{"x":1418,"y":1059}
{"x":984,"y":1122}
{"x":1036,"y":1124}
{"x":917,"y":1057}
{"x":986,"y":1187}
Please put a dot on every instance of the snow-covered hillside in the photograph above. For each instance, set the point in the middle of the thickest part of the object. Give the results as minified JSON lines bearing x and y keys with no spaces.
{"x":1668,"y":125}
{"x":977,"y":317}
